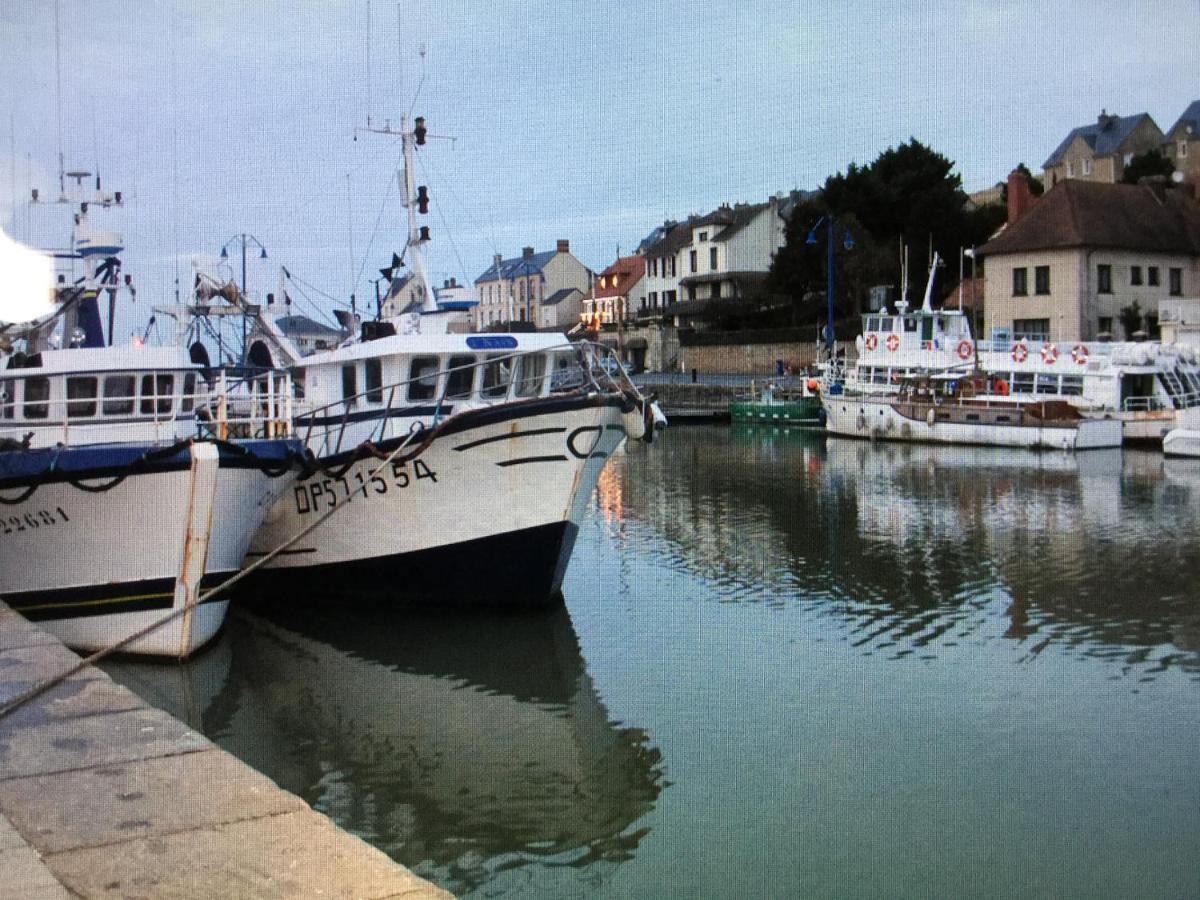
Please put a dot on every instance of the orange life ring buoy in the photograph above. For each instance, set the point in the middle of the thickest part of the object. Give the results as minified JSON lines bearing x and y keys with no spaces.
{"x":964,"y":349}
{"x":1020,"y":352}
{"x":1049,"y":354}
{"x":871,"y":342}
{"x":1079,"y":353}
{"x":893,"y":342}
{"x":1001,"y":387}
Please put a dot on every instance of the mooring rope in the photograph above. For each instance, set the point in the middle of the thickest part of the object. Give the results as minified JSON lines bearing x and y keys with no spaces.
{"x":53,"y":681}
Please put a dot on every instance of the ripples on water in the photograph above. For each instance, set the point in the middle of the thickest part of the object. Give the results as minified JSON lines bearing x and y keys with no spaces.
{"x":792,"y":643}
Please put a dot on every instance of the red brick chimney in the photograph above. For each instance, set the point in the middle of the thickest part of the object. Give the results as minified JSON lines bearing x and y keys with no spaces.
{"x":564,"y":246}
{"x":1020,"y":196}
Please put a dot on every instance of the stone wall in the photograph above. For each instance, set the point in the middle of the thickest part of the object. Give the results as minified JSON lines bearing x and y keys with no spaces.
{"x":747,"y":359}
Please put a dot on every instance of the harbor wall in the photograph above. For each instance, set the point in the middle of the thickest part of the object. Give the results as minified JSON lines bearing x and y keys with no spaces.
{"x":102,"y":795}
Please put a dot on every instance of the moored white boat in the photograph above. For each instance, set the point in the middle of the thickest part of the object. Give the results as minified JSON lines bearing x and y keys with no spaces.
{"x":1144,"y":384}
{"x":930,"y":411}
{"x":464,"y":461}
{"x":127,"y":489}
{"x":1184,"y":440}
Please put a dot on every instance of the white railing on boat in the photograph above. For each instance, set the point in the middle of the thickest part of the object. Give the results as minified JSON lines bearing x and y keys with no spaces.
{"x":496,"y":379}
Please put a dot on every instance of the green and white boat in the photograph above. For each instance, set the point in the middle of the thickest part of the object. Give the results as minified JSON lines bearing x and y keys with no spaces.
{"x":796,"y":404}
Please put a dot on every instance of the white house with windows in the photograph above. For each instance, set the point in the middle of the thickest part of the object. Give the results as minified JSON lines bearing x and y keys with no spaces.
{"x":725,"y":254}
{"x":1078,"y":258}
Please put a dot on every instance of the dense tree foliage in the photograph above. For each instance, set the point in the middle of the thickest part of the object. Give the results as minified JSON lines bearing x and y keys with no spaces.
{"x":908,"y":196}
{"x":1150,"y":164}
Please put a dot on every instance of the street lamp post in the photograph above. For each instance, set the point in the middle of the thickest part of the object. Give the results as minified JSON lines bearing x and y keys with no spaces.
{"x":831,"y":226}
{"x":246,"y":240}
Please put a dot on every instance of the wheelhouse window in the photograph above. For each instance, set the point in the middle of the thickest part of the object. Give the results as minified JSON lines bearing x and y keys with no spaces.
{"x":1041,"y":280}
{"x":37,"y":398}
{"x":1104,"y":278}
{"x":118,"y":395}
{"x":497,"y":373}
{"x":461,"y":378}
{"x":1072,"y":385}
{"x":1031,"y":329}
{"x":7,"y":386}
{"x":81,"y":396}
{"x":350,"y":383}
{"x":1020,"y":287}
{"x":157,"y":393}
{"x":531,"y":370}
{"x":423,"y":378}
{"x":374,"y":377}
{"x":188,"y":400}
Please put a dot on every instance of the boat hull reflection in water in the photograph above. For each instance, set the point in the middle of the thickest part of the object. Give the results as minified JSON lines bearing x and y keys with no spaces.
{"x":459,"y":745}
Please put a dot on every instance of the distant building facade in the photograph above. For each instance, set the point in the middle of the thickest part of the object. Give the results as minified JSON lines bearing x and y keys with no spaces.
{"x":616,"y":292}
{"x":1100,"y":151}
{"x":513,"y":290}
{"x":1182,"y":143}
{"x":1067,"y":264}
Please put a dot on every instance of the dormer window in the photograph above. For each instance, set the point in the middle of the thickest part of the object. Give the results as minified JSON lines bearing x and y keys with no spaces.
{"x":703,"y":236}
{"x":1085,"y":166}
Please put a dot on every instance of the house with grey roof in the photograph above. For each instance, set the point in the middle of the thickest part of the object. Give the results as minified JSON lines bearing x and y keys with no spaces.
{"x":1066,"y":264}
{"x":308,"y":335}
{"x":1100,"y":151}
{"x":1182,"y":143}
{"x":561,"y":311}
{"x":512,"y":290}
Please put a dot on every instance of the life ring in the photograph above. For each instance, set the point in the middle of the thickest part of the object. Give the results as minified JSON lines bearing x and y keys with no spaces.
{"x":1001,"y":387}
{"x":1020,"y":352}
{"x":1079,"y":353}
{"x":893,"y":342}
{"x":872,"y":341}
{"x":964,"y":349}
{"x":1049,"y":354}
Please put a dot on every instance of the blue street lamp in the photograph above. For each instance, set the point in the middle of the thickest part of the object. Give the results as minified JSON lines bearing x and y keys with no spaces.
{"x":831,"y":226}
{"x":246,"y":240}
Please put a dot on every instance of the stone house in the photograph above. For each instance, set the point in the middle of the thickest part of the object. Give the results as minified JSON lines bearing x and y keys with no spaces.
{"x":1100,"y":151}
{"x":1066,"y":264}
{"x":1182,"y":143}
{"x":513,"y":290}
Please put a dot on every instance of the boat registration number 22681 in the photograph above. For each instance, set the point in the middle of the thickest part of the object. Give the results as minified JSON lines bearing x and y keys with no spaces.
{"x":320,"y":494}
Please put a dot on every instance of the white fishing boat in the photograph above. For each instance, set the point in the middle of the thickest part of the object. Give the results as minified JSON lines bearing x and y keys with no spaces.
{"x":465,"y":460}
{"x":1144,"y":384}
{"x":130,"y":483}
{"x":964,"y":409}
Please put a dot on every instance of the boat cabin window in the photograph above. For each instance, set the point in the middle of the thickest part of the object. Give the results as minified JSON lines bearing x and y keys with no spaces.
{"x":1072,"y":385}
{"x":1022,"y":383}
{"x":423,"y":378}
{"x":872,"y":323}
{"x":496,"y":375}
{"x":374,"y":379}
{"x":81,"y":396}
{"x":461,"y":377}
{"x":118,"y":395}
{"x":6,"y":398}
{"x":37,"y":398}
{"x":1047,"y":384}
{"x":910,"y":324}
{"x":156,"y":394}
{"x":927,"y":328}
{"x":189,"y":392}
{"x":885,"y":323}
{"x":350,"y":383}
{"x":531,"y":371}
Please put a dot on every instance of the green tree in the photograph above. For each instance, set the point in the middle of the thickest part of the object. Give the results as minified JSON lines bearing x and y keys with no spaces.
{"x":1147,"y":165}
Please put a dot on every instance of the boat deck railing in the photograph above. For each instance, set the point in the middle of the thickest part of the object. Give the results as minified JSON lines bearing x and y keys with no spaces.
{"x":496,"y":379}
{"x":170,"y":405}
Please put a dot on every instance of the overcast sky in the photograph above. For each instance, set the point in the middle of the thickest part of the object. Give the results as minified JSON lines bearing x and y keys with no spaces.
{"x":591,"y":121}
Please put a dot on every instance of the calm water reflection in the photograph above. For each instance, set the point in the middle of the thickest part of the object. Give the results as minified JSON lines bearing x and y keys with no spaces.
{"x":789,"y":666}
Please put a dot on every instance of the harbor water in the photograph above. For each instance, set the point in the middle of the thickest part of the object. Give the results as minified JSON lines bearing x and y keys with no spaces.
{"x":788,"y":665}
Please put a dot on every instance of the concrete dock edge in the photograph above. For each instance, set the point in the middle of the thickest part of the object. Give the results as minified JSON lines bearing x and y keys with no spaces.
{"x":103,"y":796}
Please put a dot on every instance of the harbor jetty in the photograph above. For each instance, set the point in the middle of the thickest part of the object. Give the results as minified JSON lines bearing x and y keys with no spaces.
{"x":102,"y":796}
